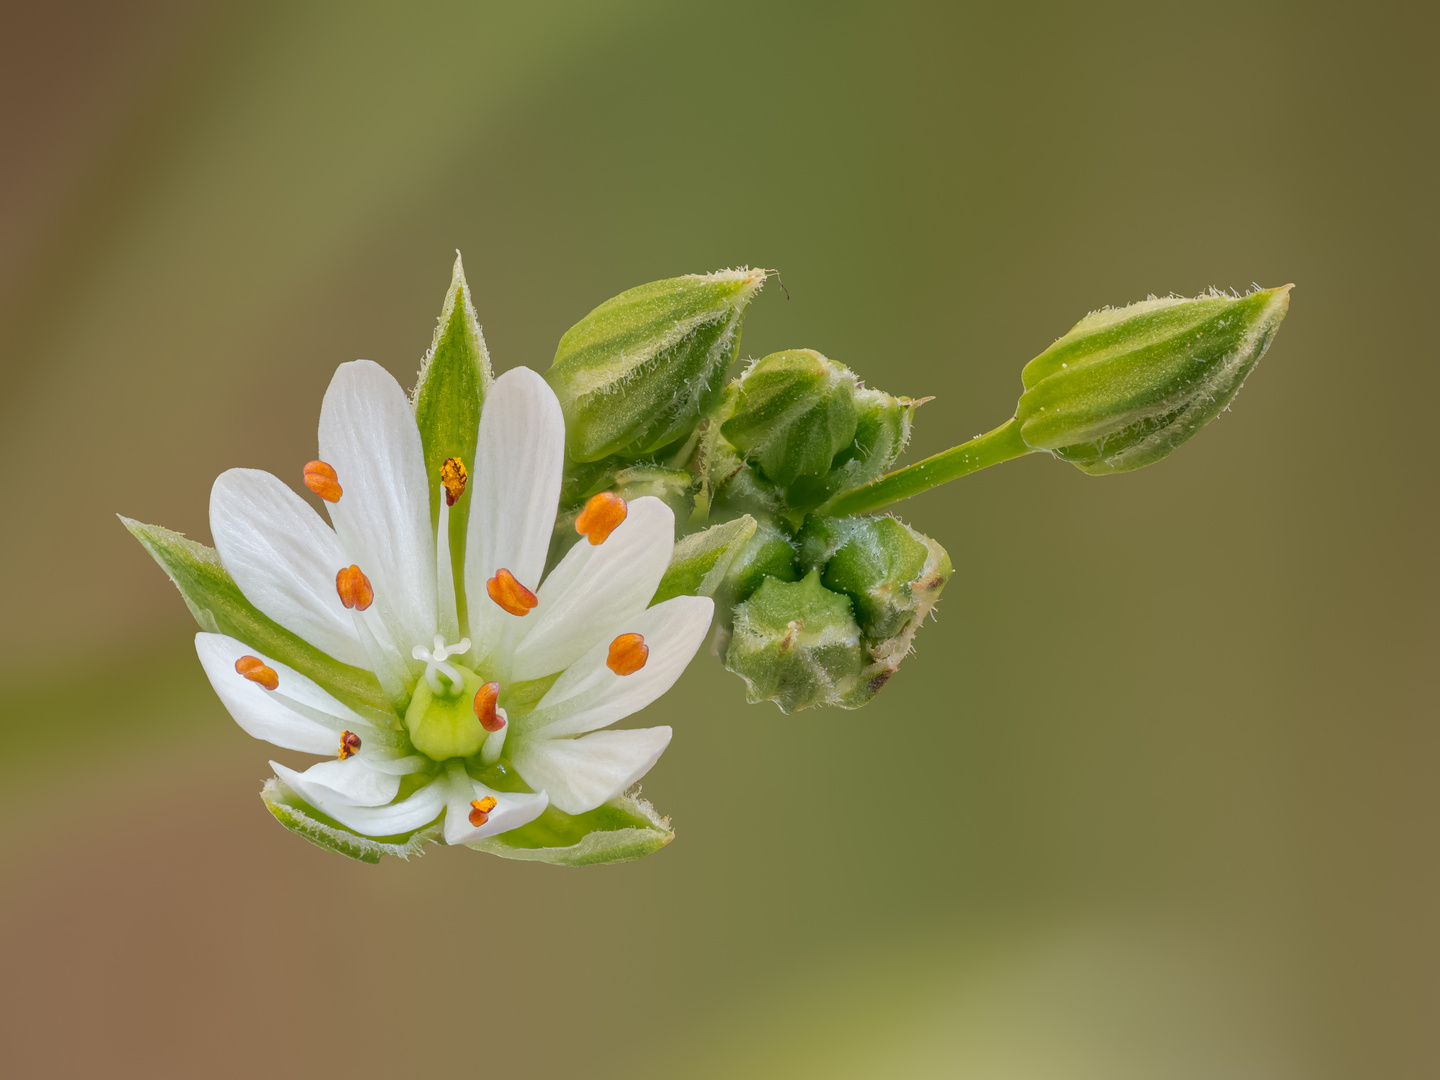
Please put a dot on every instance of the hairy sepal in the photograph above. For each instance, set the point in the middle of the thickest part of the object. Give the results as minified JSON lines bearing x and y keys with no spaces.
{"x":325,"y":832}
{"x":624,"y":829}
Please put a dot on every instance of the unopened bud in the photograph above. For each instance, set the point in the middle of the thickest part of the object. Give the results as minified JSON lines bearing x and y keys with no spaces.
{"x":796,"y":644}
{"x":891,"y":574}
{"x":637,"y":372}
{"x":1127,"y":386}
{"x":794,"y":412}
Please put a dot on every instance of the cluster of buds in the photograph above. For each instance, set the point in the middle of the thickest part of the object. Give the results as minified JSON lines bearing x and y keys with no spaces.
{"x":773,"y":474}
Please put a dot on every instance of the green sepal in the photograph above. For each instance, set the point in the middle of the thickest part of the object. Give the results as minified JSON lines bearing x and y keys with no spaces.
{"x":624,"y":829}
{"x":796,"y":644}
{"x":700,"y":561}
{"x":794,"y":412}
{"x":450,"y":390}
{"x":1125,"y":387}
{"x":325,"y":832}
{"x":769,"y":554}
{"x":220,"y":608}
{"x":636,"y":373}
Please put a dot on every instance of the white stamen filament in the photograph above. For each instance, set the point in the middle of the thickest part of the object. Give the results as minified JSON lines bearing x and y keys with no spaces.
{"x":435,"y":664}
{"x":446,"y":609}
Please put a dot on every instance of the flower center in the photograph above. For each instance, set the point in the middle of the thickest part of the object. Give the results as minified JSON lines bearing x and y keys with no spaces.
{"x":445,"y":725}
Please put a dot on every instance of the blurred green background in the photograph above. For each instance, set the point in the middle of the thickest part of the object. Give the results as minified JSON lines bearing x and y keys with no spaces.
{"x":1155,"y":796}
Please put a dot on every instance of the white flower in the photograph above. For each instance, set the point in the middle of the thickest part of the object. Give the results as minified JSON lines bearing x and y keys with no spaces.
{"x":500,"y":686}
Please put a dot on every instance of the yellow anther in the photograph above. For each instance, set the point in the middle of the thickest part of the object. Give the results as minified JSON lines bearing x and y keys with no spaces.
{"x":320,"y":478}
{"x":628,"y":654}
{"x":510,"y":594}
{"x":602,"y":516}
{"x":354,"y":588}
{"x":480,"y":810}
{"x":255,"y":669}
{"x":453,"y":476}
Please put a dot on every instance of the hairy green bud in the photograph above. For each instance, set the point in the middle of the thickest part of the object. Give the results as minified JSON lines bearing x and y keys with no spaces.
{"x":891,"y":574}
{"x":635,"y":374}
{"x":796,"y":644}
{"x":1126,"y":386}
{"x":794,"y":412}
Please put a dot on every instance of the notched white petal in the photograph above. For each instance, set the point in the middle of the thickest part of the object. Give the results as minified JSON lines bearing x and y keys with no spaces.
{"x":511,"y":810}
{"x":392,"y":819}
{"x":351,"y":782}
{"x":516,"y":491}
{"x":580,"y":774}
{"x":368,"y":433}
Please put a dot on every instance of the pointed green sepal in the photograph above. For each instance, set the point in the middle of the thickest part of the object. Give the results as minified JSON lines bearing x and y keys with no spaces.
{"x":636,"y":374}
{"x":796,"y":644}
{"x":624,"y":829}
{"x":1126,"y":386}
{"x":220,"y":608}
{"x":701,"y":560}
{"x":450,"y":390}
{"x":325,"y":832}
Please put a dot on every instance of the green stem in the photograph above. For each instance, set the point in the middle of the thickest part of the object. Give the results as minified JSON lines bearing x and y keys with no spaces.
{"x":992,"y":448}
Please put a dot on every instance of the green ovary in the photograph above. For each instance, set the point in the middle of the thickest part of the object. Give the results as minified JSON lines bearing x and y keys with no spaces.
{"x":445,"y":726}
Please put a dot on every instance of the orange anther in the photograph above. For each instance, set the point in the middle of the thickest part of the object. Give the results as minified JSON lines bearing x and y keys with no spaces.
{"x":354,"y":588}
{"x":254,"y":669}
{"x":602,"y":516}
{"x":320,"y":478}
{"x":349,"y":743}
{"x":485,"y":697}
{"x":480,"y":810}
{"x":510,"y":594}
{"x":453,"y":476}
{"x":628,"y":654}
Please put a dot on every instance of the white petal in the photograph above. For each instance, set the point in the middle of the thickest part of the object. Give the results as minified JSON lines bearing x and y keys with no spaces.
{"x":516,"y":491}
{"x":284,"y":558}
{"x":348,"y":783}
{"x":589,"y":695}
{"x":512,"y":809}
{"x":419,"y":809}
{"x":269,"y":714}
{"x":368,"y":434}
{"x":594,"y":588}
{"x":580,"y":774}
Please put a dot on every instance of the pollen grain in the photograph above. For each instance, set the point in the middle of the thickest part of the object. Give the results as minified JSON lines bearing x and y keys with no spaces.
{"x":349,"y":744}
{"x":354,"y":588}
{"x":510,"y":594}
{"x":257,"y":671}
{"x":321,"y":479}
{"x":628,"y":654}
{"x":602,"y":515}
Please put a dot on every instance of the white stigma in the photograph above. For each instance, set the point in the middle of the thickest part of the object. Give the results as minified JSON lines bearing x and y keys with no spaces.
{"x":435,"y":664}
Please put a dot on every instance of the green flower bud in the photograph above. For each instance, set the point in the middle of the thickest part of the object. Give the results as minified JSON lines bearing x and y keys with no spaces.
{"x":637,"y":372}
{"x":794,"y":412}
{"x":1127,"y":386}
{"x":768,"y":554}
{"x":892,"y":576}
{"x":796,"y":644}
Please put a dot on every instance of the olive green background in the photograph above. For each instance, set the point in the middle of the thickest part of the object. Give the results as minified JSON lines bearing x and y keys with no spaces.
{"x":1154,"y":797}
